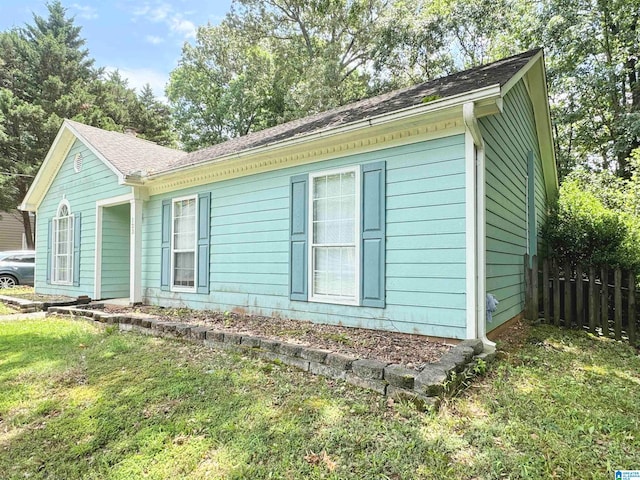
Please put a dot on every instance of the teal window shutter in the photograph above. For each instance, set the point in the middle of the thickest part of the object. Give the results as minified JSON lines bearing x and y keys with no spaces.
{"x":49,"y":246}
{"x":76,"y":249}
{"x":372,"y":251}
{"x":165,"y":257}
{"x":204,"y":218}
{"x":298,"y":241}
{"x":531,"y":205}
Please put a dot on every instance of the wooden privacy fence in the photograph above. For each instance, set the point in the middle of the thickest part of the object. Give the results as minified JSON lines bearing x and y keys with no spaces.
{"x":602,"y":300}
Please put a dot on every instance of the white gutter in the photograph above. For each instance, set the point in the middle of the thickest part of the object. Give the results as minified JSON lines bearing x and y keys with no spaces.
{"x":476,"y":227}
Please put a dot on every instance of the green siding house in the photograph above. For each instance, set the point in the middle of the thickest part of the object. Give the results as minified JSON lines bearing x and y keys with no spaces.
{"x":399,"y":212}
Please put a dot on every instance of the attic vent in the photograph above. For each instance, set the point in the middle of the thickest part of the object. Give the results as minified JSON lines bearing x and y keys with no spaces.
{"x":77,"y":162}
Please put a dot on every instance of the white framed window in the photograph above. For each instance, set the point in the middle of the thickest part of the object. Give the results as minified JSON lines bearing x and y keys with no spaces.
{"x":184,"y":242}
{"x":62,"y":235}
{"x":334,"y":227}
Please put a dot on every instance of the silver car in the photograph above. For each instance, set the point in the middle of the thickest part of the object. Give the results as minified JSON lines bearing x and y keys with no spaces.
{"x":16,"y":268}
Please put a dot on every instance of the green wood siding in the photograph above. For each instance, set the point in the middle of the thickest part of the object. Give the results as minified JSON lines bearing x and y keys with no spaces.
{"x":250,"y":236}
{"x":509,"y":137}
{"x":115,"y":251}
{"x":11,"y":231}
{"x":95,"y":181}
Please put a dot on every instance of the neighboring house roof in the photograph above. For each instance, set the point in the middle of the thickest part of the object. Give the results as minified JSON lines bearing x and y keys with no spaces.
{"x":136,"y":161}
{"x":496,"y":73}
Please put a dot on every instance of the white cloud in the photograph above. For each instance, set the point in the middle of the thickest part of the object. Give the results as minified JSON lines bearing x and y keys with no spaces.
{"x":182,"y":26}
{"x":155,"y":13}
{"x":138,"y":77}
{"x":85,"y":11}
{"x":153,"y":39}
{"x":162,"y":12}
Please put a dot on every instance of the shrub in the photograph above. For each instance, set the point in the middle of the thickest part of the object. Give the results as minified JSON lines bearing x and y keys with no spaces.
{"x":594,"y":221}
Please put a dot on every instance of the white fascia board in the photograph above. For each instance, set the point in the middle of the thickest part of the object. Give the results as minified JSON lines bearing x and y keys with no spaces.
{"x":536,"y":80}
{"x":520,"y":74}
{"x":488,"y":94}
{"x":48,"y":170}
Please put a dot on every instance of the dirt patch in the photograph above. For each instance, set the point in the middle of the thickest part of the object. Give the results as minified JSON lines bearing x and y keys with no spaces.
{"x":413,"y":351}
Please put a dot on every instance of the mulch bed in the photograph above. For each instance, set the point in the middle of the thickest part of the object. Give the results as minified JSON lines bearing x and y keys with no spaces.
{"x":413,"y":351}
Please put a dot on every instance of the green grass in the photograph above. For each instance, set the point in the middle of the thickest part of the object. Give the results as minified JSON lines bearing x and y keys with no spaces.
{"x":17,"y":291}
{"x":5,"y":309}
{"x":78,"y":402}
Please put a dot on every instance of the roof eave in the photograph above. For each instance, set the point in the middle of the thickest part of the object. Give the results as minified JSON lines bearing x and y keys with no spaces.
{"x":537,"y":82}
{"x":487,"y":98}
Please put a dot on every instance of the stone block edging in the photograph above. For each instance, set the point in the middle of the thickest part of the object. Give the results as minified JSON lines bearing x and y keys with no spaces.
{"x":423,"y":388}
{"x":24,"y":305}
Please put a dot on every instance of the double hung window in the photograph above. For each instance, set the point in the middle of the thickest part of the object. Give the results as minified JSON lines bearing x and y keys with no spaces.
{"x":185,"y":239}
{"x":337,"y":236}
{"x":184,"y":243}
{"x":334,"y":226}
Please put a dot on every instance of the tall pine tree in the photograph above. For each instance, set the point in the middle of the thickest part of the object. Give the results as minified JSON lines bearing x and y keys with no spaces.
{"x":46,"y":75}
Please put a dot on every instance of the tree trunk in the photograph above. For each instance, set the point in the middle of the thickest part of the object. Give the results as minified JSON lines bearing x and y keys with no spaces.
{"x":28,"y":231}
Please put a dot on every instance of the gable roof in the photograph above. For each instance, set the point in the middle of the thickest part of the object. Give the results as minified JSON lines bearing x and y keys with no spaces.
{"x":496,"y":73}
{"x":135,"y":160}
{"x":126,"y":153}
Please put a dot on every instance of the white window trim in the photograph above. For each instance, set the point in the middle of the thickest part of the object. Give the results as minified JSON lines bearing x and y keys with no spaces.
{"x":178,"y":288}
{"x":54,"y":246}
{"x":310,"y":259}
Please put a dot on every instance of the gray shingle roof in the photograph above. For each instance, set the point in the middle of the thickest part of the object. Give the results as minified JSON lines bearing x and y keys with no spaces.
{"x":127,"y":153}
{"x":130,"y":154}
{"x":496,"y":73}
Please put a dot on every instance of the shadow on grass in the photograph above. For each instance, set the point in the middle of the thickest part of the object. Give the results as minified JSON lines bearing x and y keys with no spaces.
{"x":563,"y":405}
{"x":155,"y":408}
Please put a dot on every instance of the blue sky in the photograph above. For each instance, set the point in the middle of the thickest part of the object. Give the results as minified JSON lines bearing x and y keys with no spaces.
{"x":141,"y":38}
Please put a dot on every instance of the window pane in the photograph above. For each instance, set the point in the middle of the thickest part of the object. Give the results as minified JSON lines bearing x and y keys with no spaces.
{"x":348,"y":183}
{"x":184,"y":269}
{"x":319,"y":187}
{"x":348,"y":271}
{"x":320,"y":209}
{"x":333,"y":185}
{"x":334,"y":271}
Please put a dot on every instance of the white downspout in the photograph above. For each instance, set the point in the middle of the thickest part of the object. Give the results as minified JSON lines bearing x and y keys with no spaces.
{"x":476,"y":226}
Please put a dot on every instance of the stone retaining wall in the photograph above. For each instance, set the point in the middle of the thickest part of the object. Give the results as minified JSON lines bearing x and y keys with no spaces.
{"x":420,"y":387}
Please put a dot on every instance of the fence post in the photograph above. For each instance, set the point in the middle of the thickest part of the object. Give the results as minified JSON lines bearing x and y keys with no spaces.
{"x":567,"y":293}
{"x":631,"y":328}
{"x":617,"y":295}
{"x":592,"y":300}
{"x":534,"y":303}
{"x":546,"y":301}
{"x":579,"y":297}
{"x":604,"y":302}
{"x":556,"y":293}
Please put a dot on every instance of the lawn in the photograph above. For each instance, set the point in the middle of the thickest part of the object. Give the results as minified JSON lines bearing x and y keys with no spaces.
{"x":80,"y":402}
{"x":5,"y":310}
